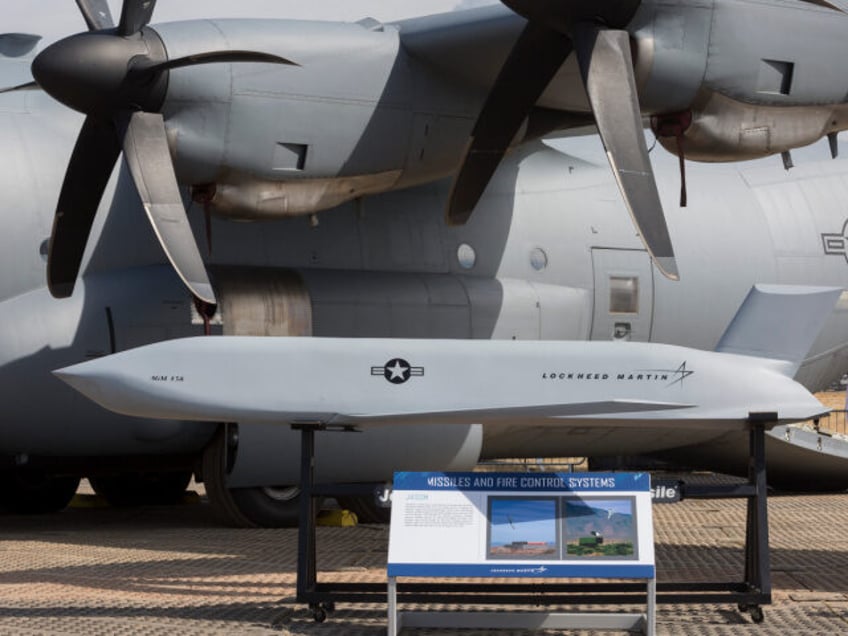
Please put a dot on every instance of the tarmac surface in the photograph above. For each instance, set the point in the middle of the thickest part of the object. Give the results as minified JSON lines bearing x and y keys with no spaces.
{"x":172,"y":570}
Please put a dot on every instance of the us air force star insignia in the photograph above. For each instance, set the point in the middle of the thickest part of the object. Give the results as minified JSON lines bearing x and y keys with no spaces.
{"x":397,"y":371}
{"x":837,"y":244}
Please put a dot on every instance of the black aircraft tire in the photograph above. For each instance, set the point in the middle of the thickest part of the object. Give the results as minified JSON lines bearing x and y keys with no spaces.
{"x":365,"y":509}
{"x":791,"y":483}
{"x":36,"y":493}
{"x":269,"y":507}
{"x":142,"y":489}
{"x":245,"y":507}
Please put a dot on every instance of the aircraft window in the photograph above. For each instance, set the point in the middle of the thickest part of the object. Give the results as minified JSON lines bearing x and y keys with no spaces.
{"x":466,"y":256}
{"x":624,"y":295}
{"x":538,"y":259}
{"x":44,"y":249}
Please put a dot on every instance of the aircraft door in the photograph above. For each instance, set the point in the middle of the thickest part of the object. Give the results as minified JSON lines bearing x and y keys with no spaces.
{"x":624,"y":295}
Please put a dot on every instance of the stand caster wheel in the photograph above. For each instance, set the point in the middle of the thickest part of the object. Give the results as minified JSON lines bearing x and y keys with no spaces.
{"x":757,"y":614}
{"x":319,"y":614}
{"x":320,"y":611}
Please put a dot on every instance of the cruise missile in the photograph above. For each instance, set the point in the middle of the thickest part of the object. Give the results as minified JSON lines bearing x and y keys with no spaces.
{"x":372,"y":382}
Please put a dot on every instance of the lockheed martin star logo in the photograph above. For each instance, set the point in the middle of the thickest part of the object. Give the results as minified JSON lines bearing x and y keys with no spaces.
{"x":837,"y":244}
{"x":397,"y":371}
{"x":680,"y":374}
{"x":676,"y":375}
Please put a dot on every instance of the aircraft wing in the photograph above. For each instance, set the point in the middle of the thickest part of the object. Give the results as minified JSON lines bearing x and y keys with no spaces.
{"x":16,"y":53}
{"x":469,"y":45}
{"x":530,"y":71}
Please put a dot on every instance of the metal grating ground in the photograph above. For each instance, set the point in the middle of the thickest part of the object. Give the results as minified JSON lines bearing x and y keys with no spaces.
{"x":172,"y":571}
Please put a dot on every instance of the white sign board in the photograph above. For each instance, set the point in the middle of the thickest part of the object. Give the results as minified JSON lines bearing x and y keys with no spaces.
{"x":543,"y":525}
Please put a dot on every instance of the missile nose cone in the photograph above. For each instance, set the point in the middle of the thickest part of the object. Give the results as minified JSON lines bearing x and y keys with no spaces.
{"x":76,"y":376}
{"x":85,"y":377}
{"x":93,"y":72}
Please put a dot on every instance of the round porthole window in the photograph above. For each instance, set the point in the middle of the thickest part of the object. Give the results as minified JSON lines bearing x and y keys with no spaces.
{"x":466,"y":256}
{"x":44,"y":249}
{"x":538,"y":259}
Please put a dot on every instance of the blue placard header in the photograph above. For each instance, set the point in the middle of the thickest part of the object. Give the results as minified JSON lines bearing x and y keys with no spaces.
{"x":522,"y":482}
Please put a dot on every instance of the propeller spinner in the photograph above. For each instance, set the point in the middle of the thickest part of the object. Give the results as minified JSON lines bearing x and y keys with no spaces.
{"x":117,"y":77}
{"x":593,"y":29}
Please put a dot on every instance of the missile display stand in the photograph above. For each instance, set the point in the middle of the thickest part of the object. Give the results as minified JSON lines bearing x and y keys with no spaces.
{"x":749,"y":595}
{"x":755,"y":590}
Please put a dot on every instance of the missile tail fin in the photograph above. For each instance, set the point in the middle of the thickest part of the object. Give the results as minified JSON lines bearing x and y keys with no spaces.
{"x":779,"y":322}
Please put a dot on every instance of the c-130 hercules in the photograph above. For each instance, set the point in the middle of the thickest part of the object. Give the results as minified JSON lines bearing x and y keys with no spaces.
{"x":390,"y":125}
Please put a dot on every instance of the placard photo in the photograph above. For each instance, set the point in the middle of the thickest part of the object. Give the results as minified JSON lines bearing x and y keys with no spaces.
{"x":523,"y":528}
{"x":600,"y":527}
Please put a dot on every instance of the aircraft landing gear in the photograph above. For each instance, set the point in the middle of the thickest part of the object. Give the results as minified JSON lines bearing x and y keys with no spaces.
{"x":141,"y":489}
{"x":36,"y":492}
{"x":365,"y":509}
{"x":273,"y":507}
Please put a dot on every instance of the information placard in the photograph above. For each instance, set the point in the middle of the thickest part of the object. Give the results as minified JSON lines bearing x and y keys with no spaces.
{"x":542,"y":525}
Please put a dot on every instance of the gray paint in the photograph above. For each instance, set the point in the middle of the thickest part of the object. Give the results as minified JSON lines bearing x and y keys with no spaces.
{"x":746,"y":223}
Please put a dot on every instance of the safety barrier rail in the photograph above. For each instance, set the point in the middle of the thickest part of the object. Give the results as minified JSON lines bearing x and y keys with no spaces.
{"x":834,"y":423}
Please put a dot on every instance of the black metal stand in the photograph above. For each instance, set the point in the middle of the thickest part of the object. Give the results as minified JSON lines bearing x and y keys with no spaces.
{"x":755,"y":590}
{"x":307,"y":569}
{"x":749,"y":595}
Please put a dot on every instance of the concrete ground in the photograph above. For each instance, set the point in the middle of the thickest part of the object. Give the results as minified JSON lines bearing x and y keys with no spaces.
{"x":159,"y":570}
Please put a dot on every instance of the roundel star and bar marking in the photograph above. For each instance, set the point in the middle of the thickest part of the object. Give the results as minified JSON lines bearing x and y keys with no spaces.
{"x":837,"y":244}
{"x":397,"y":371}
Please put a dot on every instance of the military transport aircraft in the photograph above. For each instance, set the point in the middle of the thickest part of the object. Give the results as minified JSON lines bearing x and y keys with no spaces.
{"x":252,"y":120}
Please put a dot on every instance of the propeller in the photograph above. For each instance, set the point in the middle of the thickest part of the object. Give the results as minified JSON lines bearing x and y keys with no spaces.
{"x":594,"y":31}
{"x":836,"y":5}
{"x":29,"y":86}
{"x":117,"y":77}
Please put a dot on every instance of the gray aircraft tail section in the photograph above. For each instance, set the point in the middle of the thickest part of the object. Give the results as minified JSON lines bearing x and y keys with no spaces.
{"x":779,"y":322}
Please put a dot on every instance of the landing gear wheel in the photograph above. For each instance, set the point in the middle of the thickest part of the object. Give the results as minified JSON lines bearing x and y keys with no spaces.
{"x":142,"y":489}
{"x":271,"y":507}
{"x":33,"y":492}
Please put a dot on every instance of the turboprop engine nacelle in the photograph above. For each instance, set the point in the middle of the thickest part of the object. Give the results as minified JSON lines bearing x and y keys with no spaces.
{"x":259,"y":141}
{"x":726,"y":130}
{"x":731,"y":81}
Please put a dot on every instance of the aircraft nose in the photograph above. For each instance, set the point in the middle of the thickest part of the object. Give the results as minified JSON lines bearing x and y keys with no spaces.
{"x":96,"y":73}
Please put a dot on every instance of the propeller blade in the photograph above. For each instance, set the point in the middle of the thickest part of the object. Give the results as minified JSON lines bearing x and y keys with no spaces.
{"x":96,"y":14}
{"x":607,"y":69}
{"x":88,"y":172}
{"x":564,"y":15}
{"x":149,"y":160}
{"x":534,"y":60}
{"x":216,"y":57}
{"x":836,"y":5}
{"x":135,"y":15}
{"x":29,"y":86}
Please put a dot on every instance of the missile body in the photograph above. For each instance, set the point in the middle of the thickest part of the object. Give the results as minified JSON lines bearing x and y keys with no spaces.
{"x":373,"y":382}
